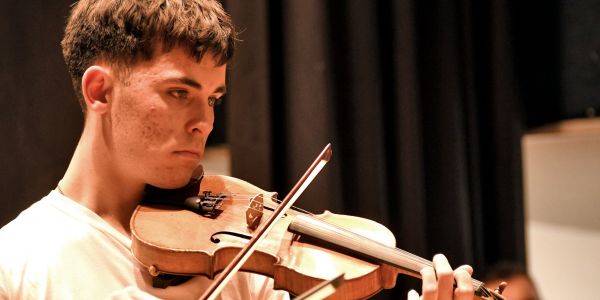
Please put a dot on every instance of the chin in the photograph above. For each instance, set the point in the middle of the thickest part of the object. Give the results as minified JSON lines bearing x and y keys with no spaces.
{"x":171,"y":185}
{"x":172,"y":181}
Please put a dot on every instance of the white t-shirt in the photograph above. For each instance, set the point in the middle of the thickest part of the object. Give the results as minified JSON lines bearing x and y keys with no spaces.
{"x":59,"y":249}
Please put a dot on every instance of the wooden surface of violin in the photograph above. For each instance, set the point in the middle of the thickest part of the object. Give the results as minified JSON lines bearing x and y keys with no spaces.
{"x":200,"y":235}
{"x":174,"y":240}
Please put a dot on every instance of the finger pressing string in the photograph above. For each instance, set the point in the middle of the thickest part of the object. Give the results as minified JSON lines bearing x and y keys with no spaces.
{"x":430,"y":286}
{"x":445,"y":276}
{"x":464,"y":286}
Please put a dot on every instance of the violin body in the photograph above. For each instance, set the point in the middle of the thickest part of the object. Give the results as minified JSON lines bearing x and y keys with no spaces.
{"x":172,"y":240}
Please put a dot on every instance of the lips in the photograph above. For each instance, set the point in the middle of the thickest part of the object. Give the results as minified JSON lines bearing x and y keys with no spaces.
{"x":191,"y":154}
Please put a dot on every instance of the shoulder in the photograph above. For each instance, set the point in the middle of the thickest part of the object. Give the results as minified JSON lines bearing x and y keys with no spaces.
{"x":42,"y":221}
{"x":48,"y":247}
{"x":57,"y":226}
{"x":37,"y":229}
{"x":23,"y":240}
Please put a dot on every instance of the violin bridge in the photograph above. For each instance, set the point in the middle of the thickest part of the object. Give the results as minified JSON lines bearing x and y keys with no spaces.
{"x":254,"y":212}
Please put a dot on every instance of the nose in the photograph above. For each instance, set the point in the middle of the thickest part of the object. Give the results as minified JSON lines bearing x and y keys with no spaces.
{"x":202,"y":120}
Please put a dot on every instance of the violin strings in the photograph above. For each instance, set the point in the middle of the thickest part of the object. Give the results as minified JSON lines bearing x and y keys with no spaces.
{"x":240,"y":196}
{"x":415,"y":258}
{"x":408,"y":255}
{"x":426,"y":262}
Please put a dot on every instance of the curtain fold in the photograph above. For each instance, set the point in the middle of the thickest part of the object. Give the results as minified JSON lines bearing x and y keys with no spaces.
{"x":420,"y":102}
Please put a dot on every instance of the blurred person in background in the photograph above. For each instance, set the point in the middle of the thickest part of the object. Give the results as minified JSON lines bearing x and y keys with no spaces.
{"x":520,"y":285}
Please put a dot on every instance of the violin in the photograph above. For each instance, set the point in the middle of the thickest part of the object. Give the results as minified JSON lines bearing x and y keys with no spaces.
{"x":199,"y":229}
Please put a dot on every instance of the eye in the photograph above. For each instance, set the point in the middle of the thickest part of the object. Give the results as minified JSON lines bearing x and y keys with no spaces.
{"x":214,"y":101}
{"x":179,"y":94}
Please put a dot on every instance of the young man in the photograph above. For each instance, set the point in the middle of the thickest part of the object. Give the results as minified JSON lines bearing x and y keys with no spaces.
{"x":147,"y":74}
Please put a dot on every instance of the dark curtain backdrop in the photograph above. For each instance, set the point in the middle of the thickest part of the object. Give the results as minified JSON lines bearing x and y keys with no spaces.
{"x":40,"y":119}
{"x":420,"y":102}
{"x":420,"y":99}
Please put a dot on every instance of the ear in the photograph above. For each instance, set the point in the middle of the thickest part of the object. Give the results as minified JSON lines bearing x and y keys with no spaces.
{"x":96,"y":84}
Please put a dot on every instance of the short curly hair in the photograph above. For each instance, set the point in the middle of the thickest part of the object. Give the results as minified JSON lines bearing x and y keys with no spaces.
{"x":124,"y":32}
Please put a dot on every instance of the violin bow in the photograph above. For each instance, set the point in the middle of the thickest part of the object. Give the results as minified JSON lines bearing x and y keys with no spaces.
{"x":227,"y":274}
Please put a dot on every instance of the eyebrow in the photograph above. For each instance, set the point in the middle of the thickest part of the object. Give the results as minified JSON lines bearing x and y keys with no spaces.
{"x":192,"y":83}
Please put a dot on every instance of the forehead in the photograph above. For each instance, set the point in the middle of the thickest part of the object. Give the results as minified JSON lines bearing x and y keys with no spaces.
{"x":178,"y":63}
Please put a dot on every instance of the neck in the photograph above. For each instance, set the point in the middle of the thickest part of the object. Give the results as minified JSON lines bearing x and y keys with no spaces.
{"x":94,"y":180}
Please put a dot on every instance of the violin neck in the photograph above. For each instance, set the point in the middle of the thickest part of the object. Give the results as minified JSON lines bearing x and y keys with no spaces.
{"x":371,"y":250}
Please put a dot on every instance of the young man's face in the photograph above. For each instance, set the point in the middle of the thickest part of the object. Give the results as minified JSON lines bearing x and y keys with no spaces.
{"x":161,"y":115}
